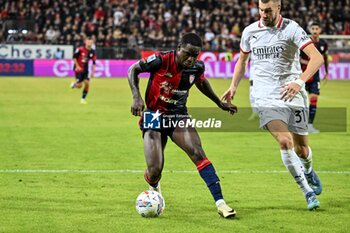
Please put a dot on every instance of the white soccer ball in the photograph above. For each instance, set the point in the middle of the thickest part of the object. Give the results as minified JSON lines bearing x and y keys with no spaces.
{"x":150,"y":204}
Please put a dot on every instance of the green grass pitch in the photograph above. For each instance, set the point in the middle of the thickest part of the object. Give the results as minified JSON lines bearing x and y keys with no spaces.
{"x":61,"y":166}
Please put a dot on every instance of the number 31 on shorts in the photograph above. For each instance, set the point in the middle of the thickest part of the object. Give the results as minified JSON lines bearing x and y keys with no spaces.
{"x":301,"y":116}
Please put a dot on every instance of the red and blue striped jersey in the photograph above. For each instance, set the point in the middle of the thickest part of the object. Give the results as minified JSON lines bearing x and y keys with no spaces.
{"x":168,"y":85}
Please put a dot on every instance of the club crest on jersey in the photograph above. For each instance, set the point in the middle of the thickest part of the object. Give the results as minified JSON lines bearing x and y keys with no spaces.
{"x":168,"y":75}
{"x":151,"y":58}
{"x":192,"y":77}
{"x":166,"y":87}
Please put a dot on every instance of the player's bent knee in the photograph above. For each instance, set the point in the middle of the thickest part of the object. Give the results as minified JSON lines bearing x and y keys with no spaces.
{"x":302,"y":151}
{"x":197,"y":154}
{"x":285,"y":142}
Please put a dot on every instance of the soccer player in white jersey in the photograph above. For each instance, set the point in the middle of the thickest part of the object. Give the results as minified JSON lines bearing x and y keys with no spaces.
{"x":273,"y":44}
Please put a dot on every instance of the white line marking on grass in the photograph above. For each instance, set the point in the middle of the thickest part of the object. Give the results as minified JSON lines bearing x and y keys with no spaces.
{"x":167,"y":171}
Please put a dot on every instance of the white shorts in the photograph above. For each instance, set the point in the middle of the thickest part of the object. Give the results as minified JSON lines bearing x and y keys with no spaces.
{"x":295,"y":118}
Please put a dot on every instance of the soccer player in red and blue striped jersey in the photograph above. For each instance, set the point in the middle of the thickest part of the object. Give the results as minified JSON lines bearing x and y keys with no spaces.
{"x":81,"y":58}
{"x":172,"y":74}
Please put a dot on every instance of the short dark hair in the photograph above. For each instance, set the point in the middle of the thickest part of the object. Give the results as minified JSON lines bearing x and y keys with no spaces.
{"x":274,"y":1}
{"x":192,"y":39}
{"x":315,"y":23}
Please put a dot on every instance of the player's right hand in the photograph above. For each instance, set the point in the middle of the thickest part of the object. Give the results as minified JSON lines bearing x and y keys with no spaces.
{"x":289,"y":90}
{"x":231,"y":108}
{"x":78,"y":69}
{"x":228,"y":95}
{"x":138,"y":105}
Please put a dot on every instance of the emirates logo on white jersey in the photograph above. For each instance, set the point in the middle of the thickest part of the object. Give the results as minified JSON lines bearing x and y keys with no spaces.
{"x":268,"y":52}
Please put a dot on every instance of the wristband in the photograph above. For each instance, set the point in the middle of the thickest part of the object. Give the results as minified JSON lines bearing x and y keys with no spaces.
{"x":300,"y":82}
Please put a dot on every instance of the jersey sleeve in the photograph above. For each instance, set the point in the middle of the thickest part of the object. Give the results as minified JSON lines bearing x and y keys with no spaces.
{"x":300,"y":38}
{"x":151,"y":63}
{"x":76,"y":53}
{"x":201,"y":68}
{"x":244,"y":45}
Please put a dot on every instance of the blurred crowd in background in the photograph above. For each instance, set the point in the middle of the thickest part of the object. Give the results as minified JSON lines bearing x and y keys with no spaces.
{"x":154,"y":24}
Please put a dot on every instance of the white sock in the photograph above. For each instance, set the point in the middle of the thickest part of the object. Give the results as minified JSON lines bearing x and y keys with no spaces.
{"x":218,"y":202}
{"x":294,"y":166}
{"x":307,"y":163}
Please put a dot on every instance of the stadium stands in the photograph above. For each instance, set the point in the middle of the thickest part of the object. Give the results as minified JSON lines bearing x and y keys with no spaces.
{"x":149,"y":24}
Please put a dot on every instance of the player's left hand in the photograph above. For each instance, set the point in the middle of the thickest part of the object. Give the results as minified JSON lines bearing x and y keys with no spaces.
{"x":232,"y":109}
{"x":289,"y":90}
{"x":228,"y":95}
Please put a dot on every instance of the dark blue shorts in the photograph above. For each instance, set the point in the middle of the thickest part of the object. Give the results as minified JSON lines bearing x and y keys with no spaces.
{"x":313,"y":87}
{"x":80,"y":77}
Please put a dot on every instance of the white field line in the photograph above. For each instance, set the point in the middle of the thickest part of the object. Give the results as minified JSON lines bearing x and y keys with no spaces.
{"x":166,"y":171}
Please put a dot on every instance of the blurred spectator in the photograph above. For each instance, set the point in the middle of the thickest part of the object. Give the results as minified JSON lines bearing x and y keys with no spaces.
{"x":100,"y":39}
{"x":118,"y":15}
{"x":209,"y":36}
{"x":58,"y":54}
{"x":51,"y":35}
{"x":99,"y":13}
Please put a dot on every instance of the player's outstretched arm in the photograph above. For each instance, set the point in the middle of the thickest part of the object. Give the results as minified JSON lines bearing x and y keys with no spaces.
{"x":206,"y":89}
{"x":138,"y":104}
{"x":316,"y":60}
{"x":238,"y":74}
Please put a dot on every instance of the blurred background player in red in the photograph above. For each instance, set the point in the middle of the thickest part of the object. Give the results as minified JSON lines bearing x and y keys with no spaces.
{"x":312,"y":86}
{"x":81,"y":58}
